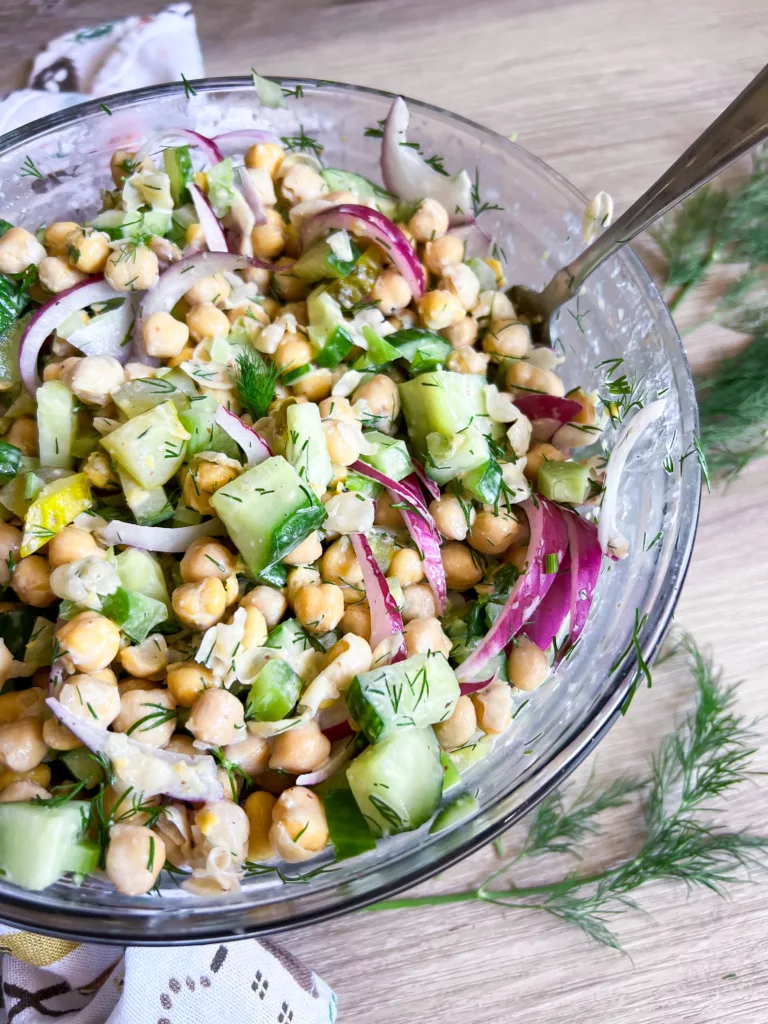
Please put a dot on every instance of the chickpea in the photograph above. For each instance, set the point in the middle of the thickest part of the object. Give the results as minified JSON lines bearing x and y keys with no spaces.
{"x":94,"y":378}
{"x":56,"y":235}
{"x":132,"y":268}
{"x":19,"y":250}
{"x":463,"y":334}
{"x":141,"y":371}
{"x":468,"y":360}
{"x":455,"y":731}
{"x":391,"y":292}
{"x":23,"y":435}
{"x":259,"y":807}
{"x":206,"y":557}
{"x":201,"y":480}
{"x":23,"y":790}
{"x":493,"y":707}
{"x":319,"y":608}
{"x":530,"y":378}
{"x":71,"y":545}
{"x":91,"y":699}
{"x":293,"y":351}
{"x":270,"y":602}
{"x":225,"y":824}
{"x":206,"y":322}
{"x":301,"y":183}
{"x":147,"y":660}
{"x":418,"y":602}
{"x":251,"y":754}
{"x":462,"y":569}
{"x":40,"y":776}
{"x":461,"y":282}
{"x":406,"y":566}
{"x":90,"y":641}
{"x":87,"y":250}
{"x":122,"y":165}
{"x":98,"y":468}
{"x":573,"y":434}
{"x":301,"y":576}
{"x":164,"y":335}
{"x":381,"y":396}
{"x":135,"y":857}
{"x":305,"y":553}
{"x":143,"y":715}
{"x":507,"y":338}
{"x":217,"y":718}
{"x":265,"y":156}
{"x":268,"y":239}
{"x":17,"y":704}
{"x":450,"y":515}
{"x":422,"y":636}
{"x":301,"y":749}
{"x":194,"y":235}
{"x":492,"y":534}
{"x":215,"y":289}
{"x":517,"y":555}
{"x":356,"y":619}
{"x":440,"y":309}
{"x":339,"y":565}
{"x":253,"y":313}
{"x":290,"y":287}
{"x":338,"y":409}
{"x":56,"y":274}
{"x":200,"y":605}
{"x":31,"y":579}
{"x":10,"y":545}
{"x":22,"y":746}
{"x":342,"y":441}
{"x":315,"y":385}
{"x":58,"y":736}
{"x":527,"y":664}
{"x":430,"y":221}
{"x":181,"y":744}
{"x":538,"y":454}
{"x":299,"y":828}
{"x":443,"y":252}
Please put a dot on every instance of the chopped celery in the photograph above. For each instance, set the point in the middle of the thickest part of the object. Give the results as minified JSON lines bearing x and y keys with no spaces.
{"x":56,"y":424}
{"x":57,"y":504}
{"x":565,"y":482}
{"x":151,"y":446}
{"x":274,"y":692}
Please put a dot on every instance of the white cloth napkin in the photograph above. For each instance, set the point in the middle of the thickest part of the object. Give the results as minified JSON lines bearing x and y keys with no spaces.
{"x":43,"y":979}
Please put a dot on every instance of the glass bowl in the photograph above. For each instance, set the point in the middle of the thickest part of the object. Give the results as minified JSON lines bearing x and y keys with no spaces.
{"x":534,"y":216}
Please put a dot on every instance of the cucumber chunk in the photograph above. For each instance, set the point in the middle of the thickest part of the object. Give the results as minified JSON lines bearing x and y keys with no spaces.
{"x":205,"y":434}
{"x":398,"y":783}
{"x":380,"y":353}
{"x":83,"y":766}
{"x":457,"y":810}
{"x":484,"y":482}
{"x":148,"y":506}
{"x":483,"y":273}
{"x":145,"y":393}
{"x":56,"y":424}
{"x":347,"y":828}
{"x":451,"y":775}
{"x":465,"y":757}
{"x":320,"y":261}
{"x":563,"y":481}
{"x":338,"y":345}
{"x":267,"y":511}
{"x":347,"y":181}
{"x":39,"y":844}
{"x":450,"y":457}
{"x":274,"y":692}
{"x":178,"y":167}
{"x":151,"y":446}
{"x":391,"y":456}
{"x":306,"y":449}
{"x":423,"y":349}
{"x":134,"y":612}
{"x":140,"y":571}
{"x":419,"y":691}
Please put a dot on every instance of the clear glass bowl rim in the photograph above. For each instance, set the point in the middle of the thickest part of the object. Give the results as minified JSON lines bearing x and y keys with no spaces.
{"x":124,"y":924}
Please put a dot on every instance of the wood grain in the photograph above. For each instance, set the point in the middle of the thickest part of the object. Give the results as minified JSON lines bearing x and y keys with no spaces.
{"x":609,"y":93}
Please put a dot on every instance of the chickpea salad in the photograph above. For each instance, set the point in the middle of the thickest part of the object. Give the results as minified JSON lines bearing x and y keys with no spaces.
{"x":294,"y":517}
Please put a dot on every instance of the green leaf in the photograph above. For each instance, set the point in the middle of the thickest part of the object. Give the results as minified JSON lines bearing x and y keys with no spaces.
{"x":687,"y":236}
{"x":10,"y":459}
{"x":742,"y":228}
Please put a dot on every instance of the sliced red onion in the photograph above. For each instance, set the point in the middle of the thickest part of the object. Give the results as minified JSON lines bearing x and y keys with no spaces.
{"x":48,"y":317}
{"x":431,"y":488}
{"x":155,"y":538}
{"x":255,"y":447}
{"x":586,"y":558}
{"x":612,"y":541}
{"x":548,"y":537}
{"x":338,"y":731}
{"x":106,"y":333}
{"x":335,"y":715}
{"x":467,"y":688}
{"x":547,"y":621}
{"x":360,"y":220}
{"x":341,"y":752}
{"x":252,"y":197}
{"x":427,"y":540}
{"x":213,"y":231}
{"x":191,"y":138}
{"x":191,"y":777}
{"x":401,"y":490}
{"x":547,"y":413}
{"x":241,"y":139}
{"x":386,"y":620}
{"x":409,"y":176}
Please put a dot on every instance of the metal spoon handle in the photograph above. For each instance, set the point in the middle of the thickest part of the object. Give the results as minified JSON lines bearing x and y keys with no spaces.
{"x":743,"y":125}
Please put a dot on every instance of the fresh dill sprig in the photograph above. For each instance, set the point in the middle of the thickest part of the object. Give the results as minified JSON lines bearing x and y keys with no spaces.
{"x":188,"y":89}
{"x":697,"y":764}
{"x":29,"y":170}
{"x":302,"y":143}
{"x":478,"y":206}
{"x":255,"y":382}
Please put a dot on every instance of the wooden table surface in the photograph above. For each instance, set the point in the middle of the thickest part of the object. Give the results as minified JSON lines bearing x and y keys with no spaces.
{"x":608,"y":92}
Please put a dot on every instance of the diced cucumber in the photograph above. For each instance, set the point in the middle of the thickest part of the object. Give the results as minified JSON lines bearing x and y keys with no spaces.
{"x":10,"y":339}
{"x":306,"y":449}
{"x":83,"y":766}
{"x":484,"y":482}
{"x":5,"y":225}
{"x":178,"y":167}
{"x":205,"y":434}
{"x":290,"y":637}
{"x":379,"y":353}
{"x":457,"y":810}
{"x":391,"y":456}
{"x":443,"y":403}
{"x":320,"y":261}
{"x":39,"y":844}
{"x":151,"y":446}
{"x":274,"y":692}
{"x":347,"y":181}
{"x":324,"y":315}
{"x":338,"y":345}
{"x":145,"y":393}
{"x":362,"y":485}
{"x":134,"y":612}
{"x":179,"y":379}
{"x":149,"y":507}
{"x":382,"y":547}
{"x":450,"y":457}
{"x":483,"y":273}
{"x":267,"y":511}
{"x":451,"y":775}
{"x":85,"y":443}
{"x":423,"y":349}
{"x":419,"y":691}
{"x":565,"y":482}
{"x":347,"y":828}
{"x":465,"y":757}
{"x":119,"y":224}
{"x":32,"y":487}
{"x":396,"y":590}
{"x":139,"y":570}
{"x":56,"y":424}
{"x":290,"y":376}
{"x":359,"y":281}
{"x":398,"y":783}
{"x":221,"y":186}
{"x":16,"y":629}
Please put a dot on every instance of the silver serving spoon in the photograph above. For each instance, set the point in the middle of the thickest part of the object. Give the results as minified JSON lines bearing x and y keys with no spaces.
{"x":743,"y":125}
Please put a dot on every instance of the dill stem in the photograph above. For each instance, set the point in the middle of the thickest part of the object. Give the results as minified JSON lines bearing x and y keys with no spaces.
{"x":679,"y":296}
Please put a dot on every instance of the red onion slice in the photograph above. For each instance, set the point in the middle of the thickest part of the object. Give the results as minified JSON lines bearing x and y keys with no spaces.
{"x":48,"y":317}
{"x":255,"y":447}
{"x":431,"y":488}
{"x":547,"y":413}
{"x":586,"y":559}
{"x":547,"y":621}
{"x":401,"y":490}
{"x":251,"y":196}
{"x":155,"y":538}
{"x":106,"y":333}
{"x":341,"y":752}
{"x":427,"y":540}
{"x":191,"y":138}
{"x":408,"y":175}
{"x":241,"y":139}
{"x":213,"y":231}
{"x":359,"y":220}
{"x":548,"y":537}
{"x":467,"y":688}
{"x":386,"y":620}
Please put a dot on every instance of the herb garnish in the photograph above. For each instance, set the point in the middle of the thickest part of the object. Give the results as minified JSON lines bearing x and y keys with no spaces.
{"x":302,"y":142}
{"x":255,"y":382}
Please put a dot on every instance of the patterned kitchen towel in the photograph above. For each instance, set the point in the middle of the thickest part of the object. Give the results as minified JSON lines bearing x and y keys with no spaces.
{"x":127,"y":54}
{"x":248,"y":982}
